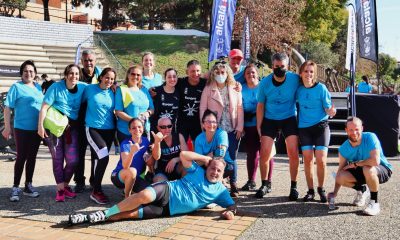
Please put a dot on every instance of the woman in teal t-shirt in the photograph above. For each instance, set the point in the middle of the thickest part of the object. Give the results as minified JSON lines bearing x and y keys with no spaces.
{"x":150,"y":79}
{"x":25,"y":98}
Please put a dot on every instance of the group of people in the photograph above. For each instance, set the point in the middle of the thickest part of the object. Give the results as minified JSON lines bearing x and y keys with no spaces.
{"x":157,"y":123}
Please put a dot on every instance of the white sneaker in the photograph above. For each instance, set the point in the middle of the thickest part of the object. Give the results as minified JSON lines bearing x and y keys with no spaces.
{"x":361,"y":198}
{"x":373,"y":208}
{"x":98,"y":216}
{"x":15,"y":192}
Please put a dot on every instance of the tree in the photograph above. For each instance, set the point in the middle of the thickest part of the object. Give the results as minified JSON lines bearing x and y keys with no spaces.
{"x":387,"y":64}
{"x":8,"y":7}
{"x":150,"y":10}
{"x":323,"y":20}
{"x":320,"y":52}
{"x":272,"y":23}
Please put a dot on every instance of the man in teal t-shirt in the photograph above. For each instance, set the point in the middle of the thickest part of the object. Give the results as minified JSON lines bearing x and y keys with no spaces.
{"x":361,"y":163}
{"x":196,"y":190}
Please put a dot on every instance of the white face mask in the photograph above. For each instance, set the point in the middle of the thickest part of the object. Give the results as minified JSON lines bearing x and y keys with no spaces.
{"x":221,"y":78}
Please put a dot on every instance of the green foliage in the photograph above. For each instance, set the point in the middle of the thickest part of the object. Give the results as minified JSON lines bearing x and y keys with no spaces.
{"x":323,"y":19}
{"x":387,"y":64}
{"x":170,"y":51}
{"x":320,"y":53}
{"x":8,"y":7}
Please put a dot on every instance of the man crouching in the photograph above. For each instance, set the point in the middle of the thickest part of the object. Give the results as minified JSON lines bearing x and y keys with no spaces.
{"x":194,"y":191}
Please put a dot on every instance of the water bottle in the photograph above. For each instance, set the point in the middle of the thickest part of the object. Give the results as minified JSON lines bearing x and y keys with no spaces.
{"x":331,"y":200}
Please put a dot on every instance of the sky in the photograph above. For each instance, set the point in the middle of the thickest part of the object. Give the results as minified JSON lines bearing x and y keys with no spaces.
{"x":388,"y":12}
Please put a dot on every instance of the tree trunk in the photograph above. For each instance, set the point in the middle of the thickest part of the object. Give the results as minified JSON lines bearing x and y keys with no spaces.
{"x":106,"y":15}
{"x":46,"y":13}
{"x":205,"y":11}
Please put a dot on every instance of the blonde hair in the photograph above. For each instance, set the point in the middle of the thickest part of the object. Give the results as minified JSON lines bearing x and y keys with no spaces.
{"x":303,"y":68}
{"x":230,"y":80}
{"x":129,"y":71}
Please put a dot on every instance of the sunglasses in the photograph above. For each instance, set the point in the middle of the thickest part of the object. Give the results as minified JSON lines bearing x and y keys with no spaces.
{"x":165,"y":126}
{"x":210,"y":122}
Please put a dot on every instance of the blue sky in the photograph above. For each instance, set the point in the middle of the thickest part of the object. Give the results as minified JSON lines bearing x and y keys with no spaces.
{"x":388,"y":12}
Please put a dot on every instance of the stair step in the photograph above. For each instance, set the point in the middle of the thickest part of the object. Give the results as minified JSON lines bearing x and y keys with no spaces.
{"x":20,"y":47}
{"x":22,"y":58}
{"x":335,"y":120}
{"x":17,"y":63}
{"x":24,"y":52}
{"x":338,"y":133}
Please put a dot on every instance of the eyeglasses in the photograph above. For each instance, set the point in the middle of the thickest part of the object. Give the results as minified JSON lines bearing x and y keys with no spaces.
{"x":210,"y":122}
{"x":165,"y":126}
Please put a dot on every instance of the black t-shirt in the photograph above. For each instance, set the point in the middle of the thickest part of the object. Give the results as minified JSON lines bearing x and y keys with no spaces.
{"x":169,"y":152}
{"x":165,"y":105}
{"x":189,"y":100}
{"x":85,"y":77}
{"x":46,"y":85}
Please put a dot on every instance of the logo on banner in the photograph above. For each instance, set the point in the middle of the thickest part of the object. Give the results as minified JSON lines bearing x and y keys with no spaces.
{"x":219,"y":28}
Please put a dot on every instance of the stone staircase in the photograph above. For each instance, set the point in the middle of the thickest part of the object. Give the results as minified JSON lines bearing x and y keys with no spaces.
{"x":49,"y":59}
{"x":337,"y":123}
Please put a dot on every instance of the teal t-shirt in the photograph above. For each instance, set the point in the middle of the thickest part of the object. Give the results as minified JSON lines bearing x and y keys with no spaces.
{"x":152,"y":82}
{"x":312,"y":103}
{"x":363,"y":87}
{"x":63,"y":100}
{"x":141,"y":103}
{"x":369,"y":142}
{"x":279,"y":101}
{"x":203,"y":147}
{"x":100,"y":107}
{"x":194,"y":191}
{"x":26,"y":102}
{"x":249,"y":96}
{"x":239,"y":76}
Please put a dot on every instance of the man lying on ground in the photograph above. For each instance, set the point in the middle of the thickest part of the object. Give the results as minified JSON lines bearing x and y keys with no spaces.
{"x":194,"y":191}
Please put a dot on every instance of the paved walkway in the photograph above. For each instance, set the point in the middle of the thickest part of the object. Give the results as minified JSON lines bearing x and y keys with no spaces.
{"x":270,"y":218}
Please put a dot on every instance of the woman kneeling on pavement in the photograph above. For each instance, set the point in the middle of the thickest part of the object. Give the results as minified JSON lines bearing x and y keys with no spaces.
{"x":132,"y":162}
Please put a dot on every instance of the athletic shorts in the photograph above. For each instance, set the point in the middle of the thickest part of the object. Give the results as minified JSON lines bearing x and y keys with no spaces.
{"x":271,"y":127}
{"x":317,"y":136}
{"x":174,"y":175}
{"x":384,"y":174}
{"x":139,"y":185}
{"x":160,"y":206}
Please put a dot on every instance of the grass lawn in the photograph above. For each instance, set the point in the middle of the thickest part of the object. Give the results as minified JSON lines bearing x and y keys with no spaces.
{"x":170,"y":51}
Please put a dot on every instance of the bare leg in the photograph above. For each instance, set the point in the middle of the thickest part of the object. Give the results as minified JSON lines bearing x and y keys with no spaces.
{"x":293,"y":154}
{"x":371,"y":177}
{"x":321,"y":156}
{"x":129,"y":177}
{"x":266,"y":151}
{"x":309,"y":167}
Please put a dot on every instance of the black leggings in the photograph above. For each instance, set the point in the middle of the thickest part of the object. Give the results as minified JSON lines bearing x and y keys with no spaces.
{"x":100,"y":141}
{"x":27,"y":143}
{"x":160,"y":206}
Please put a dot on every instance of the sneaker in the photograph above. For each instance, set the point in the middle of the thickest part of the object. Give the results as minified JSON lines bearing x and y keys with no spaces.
{"x":211,"y":206}
{"x":60,"y":196}
{"x":269,"y":188}
{"x":98,"y":216}
{"x":309,"y":196}
{"x":261,"y":191}
{"x":294,"y":194}
{"x":79,"y":187}
{"x":361,"y":198}
{"x":234,"y":191}
{"x":322,"y":195}
{"x":250,"y":185}
{"x":77,"y":219}
{"x":69,"y":193}
{"x":99,"y":197}
{"x":30,"y":191}
{"x":15,"y":192}
{"x":373,"y":208}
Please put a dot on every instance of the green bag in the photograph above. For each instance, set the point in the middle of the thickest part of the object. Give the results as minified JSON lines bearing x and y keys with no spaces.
{"x":55,"y":122}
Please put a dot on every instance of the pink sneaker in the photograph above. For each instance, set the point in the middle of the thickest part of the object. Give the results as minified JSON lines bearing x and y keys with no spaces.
{"x":69,"y":193}
{"x":60,"y":196}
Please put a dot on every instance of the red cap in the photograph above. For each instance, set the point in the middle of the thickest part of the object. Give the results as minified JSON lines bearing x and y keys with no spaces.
{"x":235,"y":53}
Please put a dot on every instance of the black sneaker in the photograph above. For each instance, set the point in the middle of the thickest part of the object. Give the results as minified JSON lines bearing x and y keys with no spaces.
{"x":234,"y":191}
{"x":79,"y":187}
{"x":322,"y":195}
{"x":269,"y":188}
{"x":98,"y":216}
{"x":77,"y":219}
{"x":250,"y":185}
{"x":309,"y":196}
{"x":261,"y":191}
{"x":294,"y":194}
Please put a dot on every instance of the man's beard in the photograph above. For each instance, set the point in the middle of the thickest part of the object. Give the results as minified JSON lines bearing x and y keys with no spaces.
{"x":352,"y":139}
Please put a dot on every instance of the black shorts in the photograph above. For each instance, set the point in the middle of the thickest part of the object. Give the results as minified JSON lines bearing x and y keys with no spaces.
{"x":317,"y":136}
{"x":160,"y":206}
{"x":384,"y":174}
{"x":271,"y":127}
{"x":170,"y":176}
{"x":139,"y":185}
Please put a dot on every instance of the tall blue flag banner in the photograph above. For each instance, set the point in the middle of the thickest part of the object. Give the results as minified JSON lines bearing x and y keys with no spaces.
{"x":223,"y":14}
{"x":245,"y":45}
{"x":367,"y":29}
